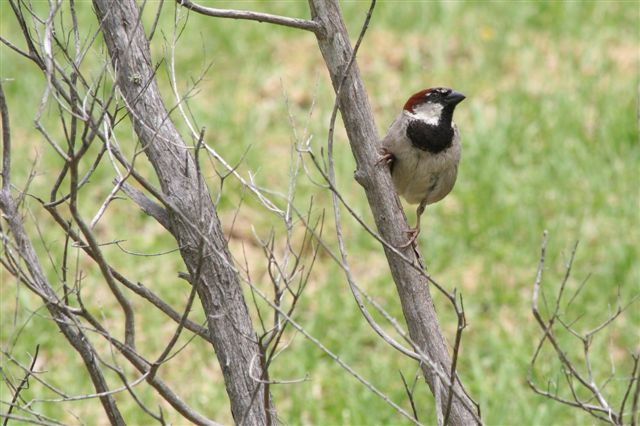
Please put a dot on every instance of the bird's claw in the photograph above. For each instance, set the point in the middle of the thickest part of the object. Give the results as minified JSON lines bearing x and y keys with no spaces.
{"x":385,"y":157}
{"x":413,"y":235}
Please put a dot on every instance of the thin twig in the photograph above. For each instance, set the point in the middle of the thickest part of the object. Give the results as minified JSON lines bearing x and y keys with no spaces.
{"x":24,"y":384}
{"x":410,"y":393}
{"x":6,"y":142}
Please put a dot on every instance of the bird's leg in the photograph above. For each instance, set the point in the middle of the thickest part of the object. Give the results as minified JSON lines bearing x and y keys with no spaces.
{"x":413,"y":232}
{"x":386,"y":157}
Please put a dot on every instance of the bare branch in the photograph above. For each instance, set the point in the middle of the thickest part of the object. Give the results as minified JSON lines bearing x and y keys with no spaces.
{"x":62,"y":316}
{"x":147,"y":205}
{"x":576,"y":380}
{"x":635,"y":379}
{"x":410,"y":392}
{"x":144,"y":367}
{"x":6,"y":142}
{"x":336,"y":358}
{"x":24,"y":383}
{"x":302,"y":24}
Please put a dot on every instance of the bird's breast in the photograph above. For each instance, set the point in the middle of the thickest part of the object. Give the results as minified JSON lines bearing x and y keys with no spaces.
{"x":419,"y":174}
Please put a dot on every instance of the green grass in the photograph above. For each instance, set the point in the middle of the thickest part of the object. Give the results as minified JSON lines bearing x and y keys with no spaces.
{"x":550,"y":136}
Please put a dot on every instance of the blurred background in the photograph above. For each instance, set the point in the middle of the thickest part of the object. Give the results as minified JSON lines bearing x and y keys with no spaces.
{"x":550,"y":141}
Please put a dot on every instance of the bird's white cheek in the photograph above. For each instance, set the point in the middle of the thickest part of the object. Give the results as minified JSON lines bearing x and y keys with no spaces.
{"x":429,"y":113}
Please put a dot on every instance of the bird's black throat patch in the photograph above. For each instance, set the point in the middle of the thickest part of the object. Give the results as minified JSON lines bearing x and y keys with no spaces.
{"x":431,"y":138}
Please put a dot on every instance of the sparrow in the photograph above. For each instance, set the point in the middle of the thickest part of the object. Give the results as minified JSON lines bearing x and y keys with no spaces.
{"x":422,"y":149}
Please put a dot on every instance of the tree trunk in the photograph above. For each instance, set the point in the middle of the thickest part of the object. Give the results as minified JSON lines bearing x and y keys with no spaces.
{"x":411,"y":285}
{"x":203,"y":250}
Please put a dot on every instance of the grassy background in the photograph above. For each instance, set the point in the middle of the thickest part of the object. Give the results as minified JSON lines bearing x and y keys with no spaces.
{"x":550,"y":134}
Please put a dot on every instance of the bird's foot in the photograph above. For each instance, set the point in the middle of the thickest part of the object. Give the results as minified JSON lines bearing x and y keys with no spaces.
{"x":413,"y":234}
{"x":386,"y":157}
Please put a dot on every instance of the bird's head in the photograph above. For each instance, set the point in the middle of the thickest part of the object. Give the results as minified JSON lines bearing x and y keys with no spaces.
{"x":431,"y":105}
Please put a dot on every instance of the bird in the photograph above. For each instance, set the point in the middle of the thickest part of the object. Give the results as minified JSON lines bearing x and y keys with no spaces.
{"x":422,"y":149}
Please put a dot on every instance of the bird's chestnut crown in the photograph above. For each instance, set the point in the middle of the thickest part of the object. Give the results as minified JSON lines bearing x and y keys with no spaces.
{"x":435,"y":95}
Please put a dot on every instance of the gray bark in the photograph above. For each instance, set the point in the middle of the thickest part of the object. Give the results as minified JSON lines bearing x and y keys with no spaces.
{"x":412,"y":286}
{"x":190,"y":204}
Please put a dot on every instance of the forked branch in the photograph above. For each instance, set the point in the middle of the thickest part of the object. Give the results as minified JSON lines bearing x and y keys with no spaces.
{"x":580,"y":379}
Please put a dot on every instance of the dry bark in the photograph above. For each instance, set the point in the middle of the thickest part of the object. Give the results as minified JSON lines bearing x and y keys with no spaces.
{"x":203,"y":250}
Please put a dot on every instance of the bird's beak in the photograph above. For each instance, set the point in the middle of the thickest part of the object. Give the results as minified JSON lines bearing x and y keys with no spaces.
{"x":454,"y":98}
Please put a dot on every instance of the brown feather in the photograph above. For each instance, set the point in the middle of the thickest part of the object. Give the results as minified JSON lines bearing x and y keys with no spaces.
{"x":416,"y":99}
